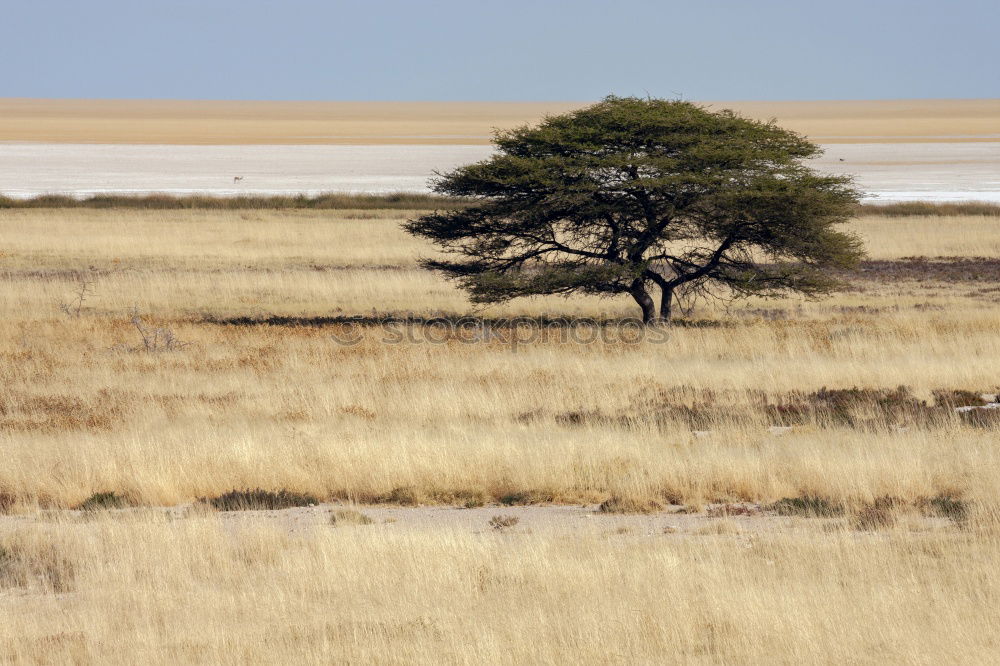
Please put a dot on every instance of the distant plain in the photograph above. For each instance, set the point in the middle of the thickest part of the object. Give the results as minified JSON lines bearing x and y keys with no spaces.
{"x":899,"y":151}
{"x":364,"y":123}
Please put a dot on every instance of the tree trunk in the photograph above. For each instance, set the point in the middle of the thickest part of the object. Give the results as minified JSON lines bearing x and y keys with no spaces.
{"x":666,"y":303}
{"x":644,"y":300}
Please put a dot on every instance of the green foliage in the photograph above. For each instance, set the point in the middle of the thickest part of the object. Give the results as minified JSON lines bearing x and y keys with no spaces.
{"x":630,"y":193}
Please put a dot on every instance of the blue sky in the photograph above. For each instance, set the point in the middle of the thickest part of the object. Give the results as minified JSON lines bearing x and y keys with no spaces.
{"x":499,"y":50}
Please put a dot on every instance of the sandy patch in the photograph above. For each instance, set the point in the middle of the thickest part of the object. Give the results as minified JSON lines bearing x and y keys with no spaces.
{"x":886,"y":171}
{"x":549,"y":520}
{"x":366,"y":123}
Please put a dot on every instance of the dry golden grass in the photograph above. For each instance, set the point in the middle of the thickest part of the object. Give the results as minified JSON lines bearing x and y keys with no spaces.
{"x":282,"y":406}
{"x":149,"y":590}
{"x":85,"y":409}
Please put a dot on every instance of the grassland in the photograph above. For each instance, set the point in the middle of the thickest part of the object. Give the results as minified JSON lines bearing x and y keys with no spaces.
{"x":187,"y":591}
{"x":252,"y":389}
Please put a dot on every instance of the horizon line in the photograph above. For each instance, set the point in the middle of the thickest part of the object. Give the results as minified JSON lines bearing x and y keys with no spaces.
{"x":482,"y":101}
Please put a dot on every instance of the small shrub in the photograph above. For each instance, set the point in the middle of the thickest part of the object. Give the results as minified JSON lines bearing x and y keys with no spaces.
{"x":104,"y":502}
{"x":525,"y":497}
{"x":980,"y":418}
{"x":957,"y":398}
{"x":12,"y":573}
{"x":501,"y":523}
{"x":616,"y":504}
{"x":841,"y":405}
{"x":880,"y":514}
{"x":950,"y":507}
{"x":807,"y":505}
{"x":349,"y":517}
{"x":257,"y":499}
{"x":726,"y":510}
{"x":403,"y":495}
{"x":871,"y":518}
{"x":22,"y":564}
{"x":718,"y":527}
{"x":85,"y":287}
{"x":463,"y":497}
{"x":155,"y":339}
{"x":359,"y":411}
{"x":7,"y":502}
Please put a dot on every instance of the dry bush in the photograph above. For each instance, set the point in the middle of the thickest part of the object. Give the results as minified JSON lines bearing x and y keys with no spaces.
{"x":154,"y":339}
{"x":28,"y":562}
{"x":948,"y":506}
{"x":471,"y":499}
{"x":730,"y":509}
{"x":882,"y":513}
{"x":258,"y":499}
{"x":404,"y":496}
{"x":8,"y":501}
{"x":104,"y":501}
{"x":86,"y":285}
{"x":501,"y":523}
{"x":808,"y":506}
{"x":342,"y":517}
{"x":620,"y":504}
{"x":719,"y":526}
{"x":525,"y":497}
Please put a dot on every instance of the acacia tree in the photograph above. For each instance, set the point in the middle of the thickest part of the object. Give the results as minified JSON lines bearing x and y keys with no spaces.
{"x":630,"y":193}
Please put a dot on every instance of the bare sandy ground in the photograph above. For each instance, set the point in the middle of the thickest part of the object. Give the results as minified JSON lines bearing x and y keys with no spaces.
{"x":29,"y":169}
{"x":467,"y":123}
{"x":944,"y":150}
{"x":555,"y":520}
{"x":887,"y":171}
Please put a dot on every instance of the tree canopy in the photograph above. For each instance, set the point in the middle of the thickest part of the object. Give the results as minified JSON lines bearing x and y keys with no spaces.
{"x":631,"y":193}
